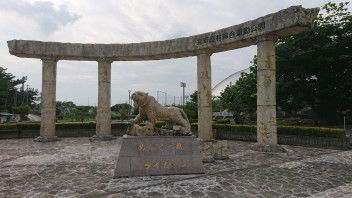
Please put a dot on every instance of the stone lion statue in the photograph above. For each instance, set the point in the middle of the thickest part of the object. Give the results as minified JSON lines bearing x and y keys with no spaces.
{"x":151,"y":110}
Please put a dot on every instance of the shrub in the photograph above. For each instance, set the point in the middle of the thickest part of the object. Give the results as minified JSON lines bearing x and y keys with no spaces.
{"x":8,"y":126}
{"x":252,"y":129}
{"x":29,"y":126}
{"x":235,"y":128}
{"x":119,"y":125}
{"x":223,"y":121}
{"x":281,"y":130}
{"x":89,"y":125}
{"x":311,"y":131}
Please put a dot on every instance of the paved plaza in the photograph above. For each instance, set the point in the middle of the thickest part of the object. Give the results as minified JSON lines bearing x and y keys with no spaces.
{"x":76,"y":167}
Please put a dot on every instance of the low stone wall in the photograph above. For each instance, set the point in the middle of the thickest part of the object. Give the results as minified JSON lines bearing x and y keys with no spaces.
{"x":321,"y":142}
{"x":308,"y":141}
{"x":9,"y":134}
{"x":33,"y":133}
{"x":293,"y":140}
{"x":75,"y":132}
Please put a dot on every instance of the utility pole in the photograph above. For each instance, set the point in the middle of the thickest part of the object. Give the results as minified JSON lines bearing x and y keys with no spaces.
{"x":183,"y":85}
{"x":27,"y":93}
{"x":129,"y":102}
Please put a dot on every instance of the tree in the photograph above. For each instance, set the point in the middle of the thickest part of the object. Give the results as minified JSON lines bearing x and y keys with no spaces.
{"x":65,"y":109}
{"x":191,"y":107}
{"x":315,"y":68}
{"x":82,"y":112}
{"x":23,"y":110}
{"x":10,"y":96}
{"x":7,"y":89}
{"x":241,"y":98}
{"x":217,"y":104}
{"x":122,"y":110}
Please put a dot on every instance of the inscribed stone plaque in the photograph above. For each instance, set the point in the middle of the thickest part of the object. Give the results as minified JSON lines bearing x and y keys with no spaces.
{"x":158,"y":155}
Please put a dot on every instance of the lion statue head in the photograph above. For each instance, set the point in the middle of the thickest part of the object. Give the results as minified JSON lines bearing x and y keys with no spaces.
{"x":140,"y":99}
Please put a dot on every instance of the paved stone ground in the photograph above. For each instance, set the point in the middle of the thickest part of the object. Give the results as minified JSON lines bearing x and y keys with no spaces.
{"x":75,"y":167}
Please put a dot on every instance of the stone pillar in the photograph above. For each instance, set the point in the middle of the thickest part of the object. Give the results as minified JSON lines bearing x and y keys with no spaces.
{"x":204,"y":96}
{"x":48,"y":101}
{"x":103,"y":126}
{"x":266,"y":92}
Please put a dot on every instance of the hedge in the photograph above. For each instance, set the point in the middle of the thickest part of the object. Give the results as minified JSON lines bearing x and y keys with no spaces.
{"x":281,"y":130}
{"x":311,"y":131}
{"x":8,"y":126}
{"x":72,"y":125}
{"x":222,"y":121}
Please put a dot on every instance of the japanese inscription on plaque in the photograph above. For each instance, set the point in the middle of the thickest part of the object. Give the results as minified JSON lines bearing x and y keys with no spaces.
{"x":164,"y":164}
{"x":231,"y":34}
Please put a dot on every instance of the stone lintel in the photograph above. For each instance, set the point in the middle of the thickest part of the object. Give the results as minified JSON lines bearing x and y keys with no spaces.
{"x":286,"y":22}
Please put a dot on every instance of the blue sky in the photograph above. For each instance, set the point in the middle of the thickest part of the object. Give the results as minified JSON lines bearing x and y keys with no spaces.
{"x":128,"y":21}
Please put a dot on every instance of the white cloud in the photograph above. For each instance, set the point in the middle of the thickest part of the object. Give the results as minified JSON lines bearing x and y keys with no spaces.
{"x":40,"y":12}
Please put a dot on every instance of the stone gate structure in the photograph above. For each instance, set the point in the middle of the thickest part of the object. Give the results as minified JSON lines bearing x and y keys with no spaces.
{"x":263,"y":32}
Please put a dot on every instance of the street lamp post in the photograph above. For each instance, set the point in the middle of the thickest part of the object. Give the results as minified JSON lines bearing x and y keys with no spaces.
{"x":183,"y":85}
{"x":27,"y":90}
{"x":129,"y":102}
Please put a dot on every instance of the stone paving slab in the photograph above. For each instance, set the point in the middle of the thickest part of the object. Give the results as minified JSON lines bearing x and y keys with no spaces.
{"x":76,"y":167}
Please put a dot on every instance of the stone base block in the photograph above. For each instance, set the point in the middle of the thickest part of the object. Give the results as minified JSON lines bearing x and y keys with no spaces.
{"x":102,"y":138}
{"x":158,"y":155}
{"x":274,"y":148}
{"x":46,"y":139}
{"x":212,"y":150}
{"x":220,"y":150}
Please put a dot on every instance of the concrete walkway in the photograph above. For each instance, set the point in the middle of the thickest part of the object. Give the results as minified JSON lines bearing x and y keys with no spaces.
{"x":75,"y":167}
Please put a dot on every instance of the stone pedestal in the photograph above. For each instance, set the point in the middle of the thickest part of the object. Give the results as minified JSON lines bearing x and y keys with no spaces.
{"x":48,"y":101}
{"x":205,"y":113}
{"x":266,"y":91}
{"x":103,"y":127}
{"x":158,"y":155}
{"x":211,"y":150}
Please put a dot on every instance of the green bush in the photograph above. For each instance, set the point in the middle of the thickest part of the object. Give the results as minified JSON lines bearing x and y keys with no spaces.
{"x":311,"y":131}
{"x":70,"y":125}
{"x":8,"y":126}
{"x":119,"y":125}
{"x":223,"y":121}
{"x":29,"y":126}
{"x":194,"y":127}
{"x":281,"y":130}
{"x":235,"y":128}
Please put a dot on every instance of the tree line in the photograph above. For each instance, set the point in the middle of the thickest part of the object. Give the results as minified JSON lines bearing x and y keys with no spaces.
{"x":15,"y":97}
{"x":313,"y":69}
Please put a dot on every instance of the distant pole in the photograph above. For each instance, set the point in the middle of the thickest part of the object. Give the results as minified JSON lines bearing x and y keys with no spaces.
{"x":183,"y":85}
{"x":165,"y":99}
{"x":129,"y":102}
{"x":157,"y":96}
{"x":27,"y":94}
{"x":344,"y":123}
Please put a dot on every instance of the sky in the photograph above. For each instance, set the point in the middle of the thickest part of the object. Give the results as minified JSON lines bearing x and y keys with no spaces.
{"x":128,"y":21}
